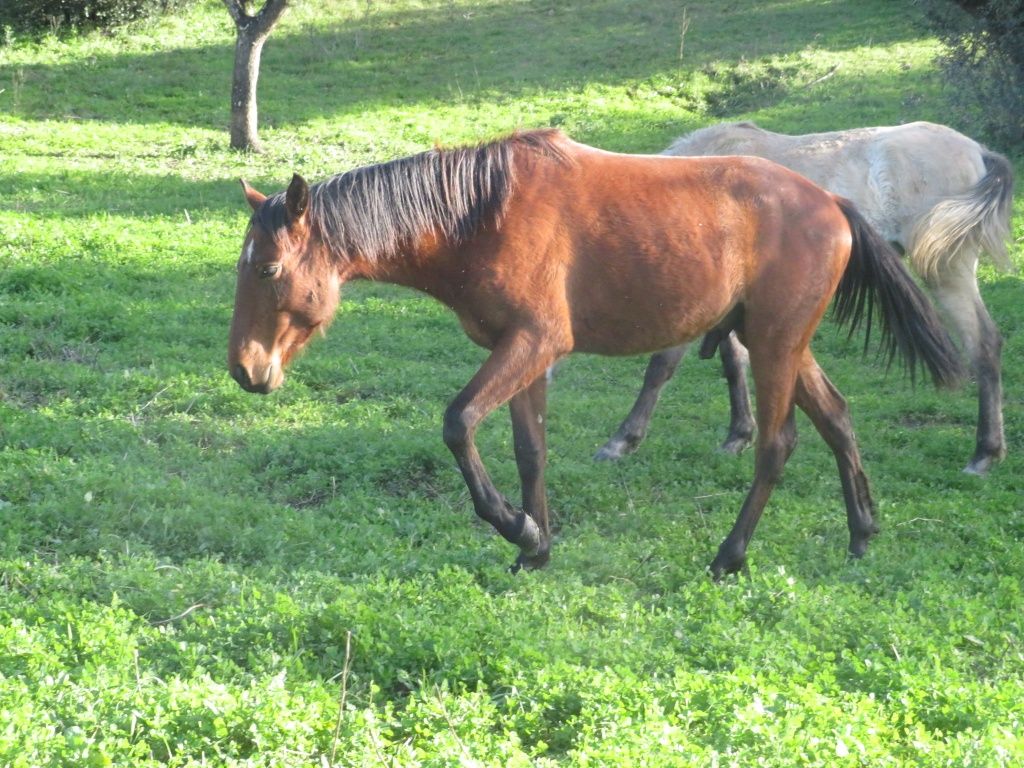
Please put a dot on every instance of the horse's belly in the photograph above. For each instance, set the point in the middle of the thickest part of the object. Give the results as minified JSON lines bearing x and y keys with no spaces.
{"x":644,"y":323}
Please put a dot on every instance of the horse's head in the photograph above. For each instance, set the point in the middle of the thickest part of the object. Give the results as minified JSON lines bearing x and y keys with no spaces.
{"x":286,"y":289}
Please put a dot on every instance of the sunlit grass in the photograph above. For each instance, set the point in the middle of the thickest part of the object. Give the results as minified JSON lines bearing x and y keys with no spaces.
{"x":181,"y":562}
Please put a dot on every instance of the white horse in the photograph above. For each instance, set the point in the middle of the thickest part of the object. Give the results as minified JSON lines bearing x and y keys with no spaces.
{"x":940,"y":196}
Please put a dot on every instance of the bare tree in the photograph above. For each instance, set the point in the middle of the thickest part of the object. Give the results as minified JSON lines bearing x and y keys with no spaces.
{"x":253,"y":30}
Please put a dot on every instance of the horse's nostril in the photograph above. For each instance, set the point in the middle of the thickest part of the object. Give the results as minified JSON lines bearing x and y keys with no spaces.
{"x":241,"y":375}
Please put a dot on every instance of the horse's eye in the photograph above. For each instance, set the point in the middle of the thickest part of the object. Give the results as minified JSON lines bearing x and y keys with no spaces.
{"x":269,"y":270}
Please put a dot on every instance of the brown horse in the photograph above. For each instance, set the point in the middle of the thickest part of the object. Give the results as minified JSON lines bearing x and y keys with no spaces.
{"x":542,"y":247}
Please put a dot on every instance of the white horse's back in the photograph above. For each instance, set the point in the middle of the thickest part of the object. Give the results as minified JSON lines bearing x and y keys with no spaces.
{"x":895,"y":175}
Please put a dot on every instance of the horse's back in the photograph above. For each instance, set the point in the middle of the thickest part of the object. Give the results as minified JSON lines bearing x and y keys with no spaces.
{"x":681,"y":241}
{"x":729,"y":200}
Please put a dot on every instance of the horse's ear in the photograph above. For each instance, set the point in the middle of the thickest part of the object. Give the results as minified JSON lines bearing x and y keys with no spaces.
{"x":254,"y":198}
{"x":296,"y":200}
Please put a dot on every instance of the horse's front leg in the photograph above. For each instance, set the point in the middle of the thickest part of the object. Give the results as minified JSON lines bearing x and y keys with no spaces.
{"x":529,"y":410}
{"x":516,"y":362}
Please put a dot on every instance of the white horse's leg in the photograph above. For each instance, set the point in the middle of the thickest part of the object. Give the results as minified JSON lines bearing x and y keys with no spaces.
{"x":735,"y":362}
{"x":956,"y":290}
{"x":632,"y":430}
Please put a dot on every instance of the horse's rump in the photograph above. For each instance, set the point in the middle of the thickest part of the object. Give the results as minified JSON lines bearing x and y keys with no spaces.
{"x":976,"y":221}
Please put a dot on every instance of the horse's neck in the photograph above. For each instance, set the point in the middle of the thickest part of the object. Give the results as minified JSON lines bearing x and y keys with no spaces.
{"x":424,"y":266}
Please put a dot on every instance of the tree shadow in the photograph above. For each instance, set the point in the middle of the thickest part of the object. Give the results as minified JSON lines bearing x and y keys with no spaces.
{"x":74,"y":193}
{"x":398,"y":58}
{"x":650,"y":127}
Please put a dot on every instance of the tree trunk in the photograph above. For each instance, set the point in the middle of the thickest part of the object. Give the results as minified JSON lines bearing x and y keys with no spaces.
{"x":252,"y":32}
{"x":244,"y":131}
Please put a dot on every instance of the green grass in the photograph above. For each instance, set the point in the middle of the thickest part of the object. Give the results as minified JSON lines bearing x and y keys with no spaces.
{"x":181,"y":563}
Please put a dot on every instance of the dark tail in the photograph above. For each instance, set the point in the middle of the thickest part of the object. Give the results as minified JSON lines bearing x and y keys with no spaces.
{"x":876,"y":281}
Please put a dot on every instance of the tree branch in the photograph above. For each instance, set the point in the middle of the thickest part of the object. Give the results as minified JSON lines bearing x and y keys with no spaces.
{"x":269,"y":15}
{"x":263,"y":21}
{"x":237,"y":11}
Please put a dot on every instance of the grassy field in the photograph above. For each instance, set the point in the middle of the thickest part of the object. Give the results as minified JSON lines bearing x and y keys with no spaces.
{"x":190,"y":575}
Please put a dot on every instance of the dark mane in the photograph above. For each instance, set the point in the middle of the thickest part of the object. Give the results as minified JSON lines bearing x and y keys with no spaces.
{"x":373,"y":211}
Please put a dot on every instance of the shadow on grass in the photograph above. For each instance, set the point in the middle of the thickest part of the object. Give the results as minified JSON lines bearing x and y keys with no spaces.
{"x":443,"y":54}
{"x":71,"y":192}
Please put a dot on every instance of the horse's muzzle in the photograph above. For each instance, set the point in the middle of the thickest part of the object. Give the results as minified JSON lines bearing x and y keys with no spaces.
{"x":241,"y":374}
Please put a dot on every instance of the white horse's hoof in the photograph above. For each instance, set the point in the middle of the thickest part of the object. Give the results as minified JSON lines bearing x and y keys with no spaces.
{"x":979,"y":467}
{"x":983,"y":462}
{"x":613,"y":450}
{"x":735,"y":445}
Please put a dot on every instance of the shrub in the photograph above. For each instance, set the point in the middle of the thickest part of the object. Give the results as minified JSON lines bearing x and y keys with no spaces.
{"x":58,"y":15}
{"x":984,"y":62}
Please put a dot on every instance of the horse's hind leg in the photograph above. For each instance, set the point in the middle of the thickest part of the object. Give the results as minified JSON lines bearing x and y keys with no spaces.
{"x":632,"y":430}
{"x":741,"y":420}
{"x":827,"y":410}
{"x":957,"y":292}
{"x":774,"y":379}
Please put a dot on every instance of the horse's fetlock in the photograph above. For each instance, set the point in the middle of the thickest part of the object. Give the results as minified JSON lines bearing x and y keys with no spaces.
{"x":531,"y":540}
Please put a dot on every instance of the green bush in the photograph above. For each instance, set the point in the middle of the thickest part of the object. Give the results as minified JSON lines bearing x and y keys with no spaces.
{"x":984,"y":63}
{"x":60,"y":15}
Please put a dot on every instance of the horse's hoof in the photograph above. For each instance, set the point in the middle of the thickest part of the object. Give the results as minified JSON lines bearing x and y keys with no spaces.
{"x":984,"y":460}
{"x":530,"y":562}
{"x":726,"y":563}
{"x":735,"y":445}
{"x":979,"y":467}
{"x":859,"y":546}
{"x":859,"y":541}
{"x":615,"y":449}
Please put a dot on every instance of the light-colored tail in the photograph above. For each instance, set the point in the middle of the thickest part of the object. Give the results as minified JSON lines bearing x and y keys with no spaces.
{"x":967,"y":225}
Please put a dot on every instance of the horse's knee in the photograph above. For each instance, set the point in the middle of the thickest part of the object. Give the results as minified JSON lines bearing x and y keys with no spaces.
{"x":457,"y":430}
{"x":995,"y":344}
{"x":661,"y":367}
{"x":772,"y":455}
{"x":987,"y":351}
